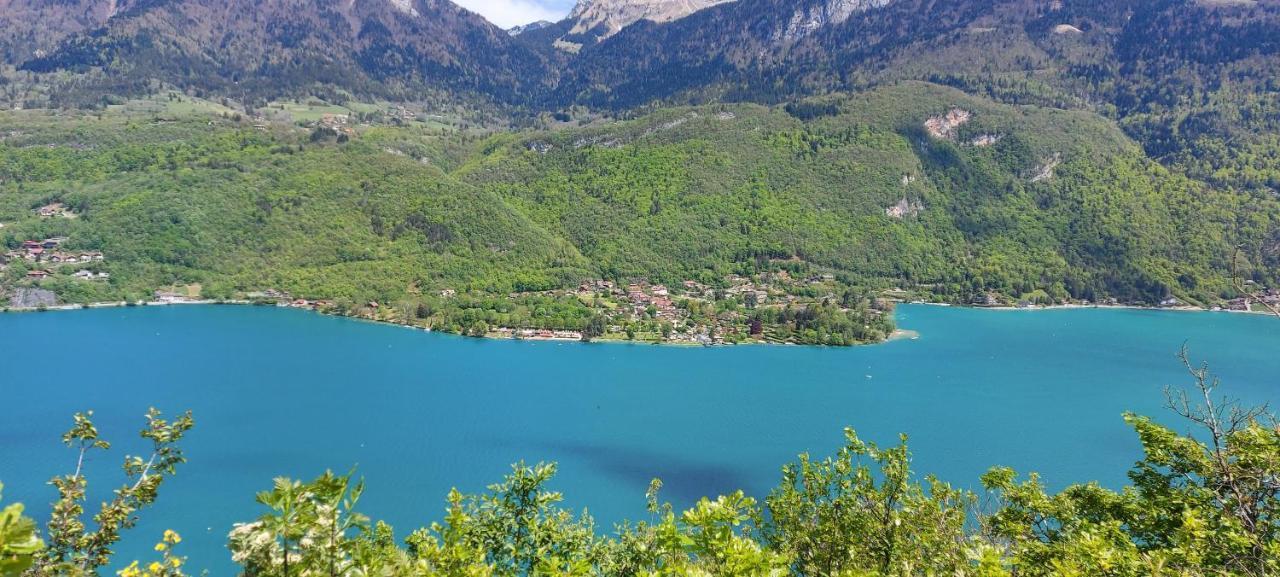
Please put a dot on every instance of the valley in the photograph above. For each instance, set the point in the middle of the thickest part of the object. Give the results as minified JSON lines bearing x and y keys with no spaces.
{"x":983,"y":220}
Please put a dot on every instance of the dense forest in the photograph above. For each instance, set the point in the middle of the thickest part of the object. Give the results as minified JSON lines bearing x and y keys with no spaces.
{"x":1199,"y":504}
{"x":751,"y":215}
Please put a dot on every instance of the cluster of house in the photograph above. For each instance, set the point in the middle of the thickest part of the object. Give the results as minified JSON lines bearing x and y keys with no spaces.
{"x":771,"y":287}
{"x":403,"y":113}
{"x":641,"y":296}
{"x":694,"y":287}
{"x":1267,"y":297}
{"x":283,"y":298}
{"x":337,"y":123}
{"x":640,"y":300}
{"x":598,"y":286}
{"x":538,"y":334}
{"x":90,"y":275}
{"x":54,"y":209}
{"x":171,"y":297}
{"x":638,"y":295}
{"x":83,"y":274}
{"x":747,"y":290}
{"x":46,"y":252}
{"x":310,"y":304}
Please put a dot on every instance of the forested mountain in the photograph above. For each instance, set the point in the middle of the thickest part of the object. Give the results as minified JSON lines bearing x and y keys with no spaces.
{"x":1184,"y":77}
{"x":29,"y":27}
{"x":1194,"y":81}
{"x":914,"y":185}
{"x":916,"y":188}
{"x":250,"y":49}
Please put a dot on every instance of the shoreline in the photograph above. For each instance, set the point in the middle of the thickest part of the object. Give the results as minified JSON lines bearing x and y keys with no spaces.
{"x":1180,"y":309}
{"x":124,"y":304}
{"x":311,"y":309}
{"x":899,"y":334}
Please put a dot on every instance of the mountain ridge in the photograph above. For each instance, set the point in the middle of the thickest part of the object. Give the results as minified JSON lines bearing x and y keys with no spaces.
{"x":1192,"y":81}
{"x":594,"y":21}
{"x":391,"y":48}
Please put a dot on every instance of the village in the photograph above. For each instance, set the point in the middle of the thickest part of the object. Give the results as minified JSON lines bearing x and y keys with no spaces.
{"x":736,"y":309}
{"x":1264,"y":297}
{"x":690,"y":312}
{"x":47,"y":256}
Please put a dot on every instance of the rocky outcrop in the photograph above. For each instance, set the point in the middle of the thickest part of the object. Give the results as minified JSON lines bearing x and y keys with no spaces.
{"x":406,"y":7}
{"x":1045,"y":170}
{"x":944,"y":127}
{"x":810,"y":19}
{"x":595,"y":20}
{"x":904,"y":208}
{"x":985,"y":140}
{"x":31,"y":298}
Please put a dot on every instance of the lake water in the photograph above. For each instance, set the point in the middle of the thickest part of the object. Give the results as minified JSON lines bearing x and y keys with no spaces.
{"x":287,"y":392}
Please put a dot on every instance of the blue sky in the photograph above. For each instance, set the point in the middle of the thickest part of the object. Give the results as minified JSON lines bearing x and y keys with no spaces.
{"x":508,"y":13}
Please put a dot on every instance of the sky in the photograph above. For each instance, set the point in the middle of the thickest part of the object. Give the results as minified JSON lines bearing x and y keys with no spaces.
{"x":508,"y":13}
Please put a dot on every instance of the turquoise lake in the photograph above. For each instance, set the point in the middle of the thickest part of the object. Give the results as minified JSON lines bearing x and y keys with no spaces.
{"x":287,"y":392}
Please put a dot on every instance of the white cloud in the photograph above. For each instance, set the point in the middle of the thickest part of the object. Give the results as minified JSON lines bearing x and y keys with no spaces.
{"x":508,"y":13}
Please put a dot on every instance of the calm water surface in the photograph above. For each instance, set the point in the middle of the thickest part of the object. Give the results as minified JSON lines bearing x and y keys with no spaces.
{"x":286,"y":392}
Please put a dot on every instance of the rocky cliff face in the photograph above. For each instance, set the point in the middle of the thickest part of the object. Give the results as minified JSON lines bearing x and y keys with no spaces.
{"x":811,"y":18}
{"x":595,"y":20}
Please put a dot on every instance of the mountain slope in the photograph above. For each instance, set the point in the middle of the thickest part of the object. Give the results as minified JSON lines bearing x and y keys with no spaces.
{"x":1193,"y":81}
{"x":30,"y":27}
{"x":265,"y":48}
{"x":1011,"y":200}
{"x":815,"y":210}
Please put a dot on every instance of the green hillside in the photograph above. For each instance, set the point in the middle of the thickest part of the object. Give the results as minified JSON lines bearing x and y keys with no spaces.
{"x":716,"y":190}
{"x":788,"y":222}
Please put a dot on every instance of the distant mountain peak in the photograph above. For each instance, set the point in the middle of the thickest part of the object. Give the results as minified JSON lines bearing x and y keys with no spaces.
{"x":595,"y":20}
{"x":530,"y":27}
